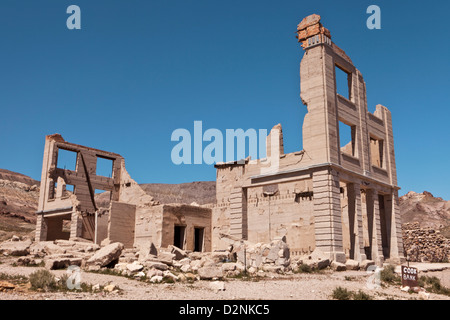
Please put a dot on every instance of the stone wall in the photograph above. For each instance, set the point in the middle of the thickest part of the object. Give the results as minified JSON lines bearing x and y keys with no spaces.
{"x":425,"y":244}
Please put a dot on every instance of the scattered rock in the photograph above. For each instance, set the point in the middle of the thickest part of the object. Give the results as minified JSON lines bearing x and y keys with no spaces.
{"x":110,"y":287}
{"x":5,"y":285}
{"x":179,"y":253}
{"x":338,"y":266}
{"x":156,"y":279}
{"x":15,"y":248}
{"x":217,"y":286}
{"x":210,"y":272}
{"x":156,"y":265}
{"x":352,"y":264}
{"x":134,"y":267}
{"x":365,"y":264}
{"x":106,"y":255}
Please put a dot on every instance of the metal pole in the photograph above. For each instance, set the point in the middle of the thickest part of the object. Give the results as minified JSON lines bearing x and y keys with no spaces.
{"x":96,"y":227}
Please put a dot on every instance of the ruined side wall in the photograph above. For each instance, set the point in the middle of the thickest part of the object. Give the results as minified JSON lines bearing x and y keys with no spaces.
{"x":285,"y":214}
{"x":190,"y":217}
{"x":122,"y":223}
{"x":148,"y":227}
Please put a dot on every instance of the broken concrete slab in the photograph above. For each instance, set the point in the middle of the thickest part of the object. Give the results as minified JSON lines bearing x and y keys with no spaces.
{"x":210,"y":272}
{"x":338,"y":266}
{"x":15,"y":248}
{"x":106,"y":255}
{"x":352,"y":264}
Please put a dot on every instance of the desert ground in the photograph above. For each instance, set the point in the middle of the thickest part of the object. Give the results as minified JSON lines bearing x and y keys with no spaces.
{"x":267,"y":286}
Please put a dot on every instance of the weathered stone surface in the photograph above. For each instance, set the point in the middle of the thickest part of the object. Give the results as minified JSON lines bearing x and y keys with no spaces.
{"x":170,"y":275}
{"x":337,"y":266}
{"x":352,"y":264}
{"x":134,"y":267}
{"x":229,"y":266}
{"x":106,"y":255}
{"x":317,"y":259}
{"x":425,"y":244}
{"x":166,"y":257}
{"x":186,"y":268}
{"x":62,"y":262}
{"x":156,"y":279}
{"x":15,"y":248}
{"x":179,"y":253}
{"x":365,"y":264}
{"x":155,"y":264}
{"x":210,"y":272}
{"x":217,"y":286}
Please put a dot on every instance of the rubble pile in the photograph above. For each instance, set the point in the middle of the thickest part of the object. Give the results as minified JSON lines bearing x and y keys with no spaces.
{"x":424,"y":244}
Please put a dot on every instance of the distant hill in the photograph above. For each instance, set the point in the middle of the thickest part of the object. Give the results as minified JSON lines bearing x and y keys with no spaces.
{"x":424,"y":208}
{"x":19,"y":195}
{"x":200,"y":192}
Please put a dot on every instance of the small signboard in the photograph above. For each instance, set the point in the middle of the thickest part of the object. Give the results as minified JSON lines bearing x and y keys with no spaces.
{"x":410,"y":276}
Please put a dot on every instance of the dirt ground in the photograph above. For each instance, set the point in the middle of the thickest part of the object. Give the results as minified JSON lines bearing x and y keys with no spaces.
{"x":315,"y":286}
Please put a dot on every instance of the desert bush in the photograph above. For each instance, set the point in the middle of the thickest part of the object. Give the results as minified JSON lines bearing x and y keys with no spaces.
{"x":360,"y":295}
{"x":340,"y":293}
{"x":43,"y":279}
{"x":388,"y":275}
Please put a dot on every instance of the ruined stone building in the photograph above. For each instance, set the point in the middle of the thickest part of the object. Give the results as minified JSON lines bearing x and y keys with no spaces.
{"x":338,"y":196}
{"x":72,"y":204}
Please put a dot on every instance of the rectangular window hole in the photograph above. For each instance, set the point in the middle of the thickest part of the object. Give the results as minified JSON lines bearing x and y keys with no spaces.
{"x":67,"y":160}
{"x":347,"y":139}
{"x":343,"y":82}
{"x":377,"y":152}
{"x":104,"y":167}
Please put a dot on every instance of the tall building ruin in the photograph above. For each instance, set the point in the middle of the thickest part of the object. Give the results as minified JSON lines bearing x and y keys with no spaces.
{"x":338,"y":196}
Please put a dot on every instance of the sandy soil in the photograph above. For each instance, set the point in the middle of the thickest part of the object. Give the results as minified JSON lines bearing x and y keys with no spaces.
{"x":269,"y":287}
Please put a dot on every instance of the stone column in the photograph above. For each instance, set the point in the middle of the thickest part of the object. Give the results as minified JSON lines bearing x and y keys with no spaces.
{"x":41,"y":228}
{"x":76,"y":227}
{"x":373,"y":215}
{"x":354,"y":194}
{"x":238,"y":213}
{"x":327,"y":214}
{"x":396,"y":243}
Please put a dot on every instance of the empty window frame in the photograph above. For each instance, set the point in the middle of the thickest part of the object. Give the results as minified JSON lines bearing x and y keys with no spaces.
{"x":347,"y":139}
{"x":343,"y":82}
{"x":104,"y":167}
{"x":377,"y":152}
{"x":68,"y":190}
{"x":67,"y":160}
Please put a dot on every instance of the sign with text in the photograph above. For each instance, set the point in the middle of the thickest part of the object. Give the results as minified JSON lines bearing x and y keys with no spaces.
{"x":410,"y":276}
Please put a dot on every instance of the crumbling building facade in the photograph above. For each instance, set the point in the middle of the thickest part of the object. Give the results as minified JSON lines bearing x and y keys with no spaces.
{"x":340,"y":197}
{"x":80,"y":202}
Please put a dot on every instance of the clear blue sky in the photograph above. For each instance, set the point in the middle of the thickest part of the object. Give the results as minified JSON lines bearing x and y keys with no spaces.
{"x":137,"y":70}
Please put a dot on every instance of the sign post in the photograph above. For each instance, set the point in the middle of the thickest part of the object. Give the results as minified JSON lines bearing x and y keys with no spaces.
{"x":410,"y":276}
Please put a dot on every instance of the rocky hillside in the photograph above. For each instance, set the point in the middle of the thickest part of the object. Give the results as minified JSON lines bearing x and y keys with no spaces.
{"x":19,"y":196}
{"x":425,"y":209}
{"x":200,"y":192}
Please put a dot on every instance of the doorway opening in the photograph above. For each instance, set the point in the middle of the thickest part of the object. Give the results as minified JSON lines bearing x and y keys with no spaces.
{"x":198,"y":239}
{"x":178,"y":236}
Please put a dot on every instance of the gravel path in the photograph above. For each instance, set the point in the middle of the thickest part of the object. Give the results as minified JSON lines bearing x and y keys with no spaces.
{"x":270,"y":287}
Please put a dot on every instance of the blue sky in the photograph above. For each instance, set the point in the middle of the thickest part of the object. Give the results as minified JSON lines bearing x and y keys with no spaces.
{"x":138,"y":70}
